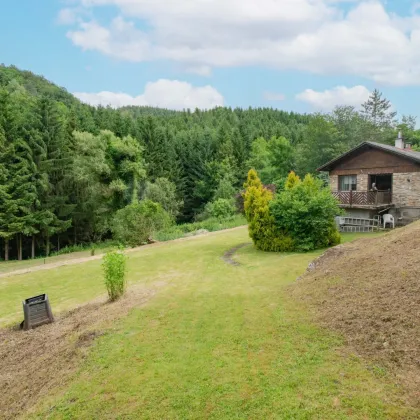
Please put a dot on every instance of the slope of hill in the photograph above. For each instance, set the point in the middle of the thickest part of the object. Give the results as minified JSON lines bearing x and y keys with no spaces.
{"x":369,"y":291}
{"x":35,"y":85}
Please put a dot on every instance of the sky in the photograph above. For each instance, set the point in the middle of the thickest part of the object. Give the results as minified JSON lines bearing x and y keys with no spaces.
{"x":296,"y":55}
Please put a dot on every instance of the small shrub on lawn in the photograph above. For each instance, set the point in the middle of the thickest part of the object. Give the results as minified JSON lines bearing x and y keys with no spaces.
{"x":114,"y":266}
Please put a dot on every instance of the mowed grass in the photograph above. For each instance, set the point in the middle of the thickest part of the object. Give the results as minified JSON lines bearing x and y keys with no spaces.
{"x":216,"y":342}
{"x":171,"y":233}
{"x":13,"y":265}
{"x":70,"y":286}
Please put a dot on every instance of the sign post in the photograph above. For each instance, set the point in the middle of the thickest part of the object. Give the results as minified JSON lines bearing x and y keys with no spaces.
{"x":37,"y":311}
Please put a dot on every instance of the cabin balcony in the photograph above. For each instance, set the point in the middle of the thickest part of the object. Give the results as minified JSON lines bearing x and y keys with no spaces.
{"x":364,"y":199}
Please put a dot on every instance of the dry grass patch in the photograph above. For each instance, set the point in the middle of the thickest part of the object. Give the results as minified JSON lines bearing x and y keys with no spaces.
{"x":35,"y":362}
{"x":369,"y":291}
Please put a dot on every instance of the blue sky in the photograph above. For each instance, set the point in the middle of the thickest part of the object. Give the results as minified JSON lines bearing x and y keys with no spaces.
{"x":300,"y":55}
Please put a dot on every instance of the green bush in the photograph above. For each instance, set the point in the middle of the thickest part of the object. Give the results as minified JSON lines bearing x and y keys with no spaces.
{"x":334,"y":237}
{"x":164,"y":192}
{"x":221,"y":209}
{"x":273,"y":243}
{"x":261,"y":224}
{"x":306,"y":211}
{"x":114,"y":267}
{"x":299,"y":218}
{"x":135,"y":224}
{"x":224,"y":190}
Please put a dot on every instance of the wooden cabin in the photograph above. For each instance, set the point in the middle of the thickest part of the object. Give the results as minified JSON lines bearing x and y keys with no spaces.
{"x":373,"y":179}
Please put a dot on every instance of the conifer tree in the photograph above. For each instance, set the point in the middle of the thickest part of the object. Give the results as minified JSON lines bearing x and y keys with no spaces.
{"x":18,"y":156}
{"x":54,"y":163}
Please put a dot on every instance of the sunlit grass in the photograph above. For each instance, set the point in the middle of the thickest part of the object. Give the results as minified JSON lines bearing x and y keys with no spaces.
{"x":216,"y":342}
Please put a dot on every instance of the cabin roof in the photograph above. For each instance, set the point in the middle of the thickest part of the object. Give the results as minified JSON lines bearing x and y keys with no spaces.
{"x":405,"y":153}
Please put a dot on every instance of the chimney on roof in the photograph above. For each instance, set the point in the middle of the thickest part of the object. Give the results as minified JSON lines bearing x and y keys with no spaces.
{"x":399,"y":142}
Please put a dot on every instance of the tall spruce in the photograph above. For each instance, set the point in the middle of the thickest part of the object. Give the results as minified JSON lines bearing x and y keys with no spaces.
{"x":54,"y":162}
{"x":20,"y":175}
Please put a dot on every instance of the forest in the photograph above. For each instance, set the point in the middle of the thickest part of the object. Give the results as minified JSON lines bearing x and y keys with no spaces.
{"x":68,"y":170}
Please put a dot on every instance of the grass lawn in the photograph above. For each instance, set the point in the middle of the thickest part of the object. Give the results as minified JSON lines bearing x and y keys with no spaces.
{"x":171,"y":233}
{"x":13,"y":265}
{"x":216,"y":342}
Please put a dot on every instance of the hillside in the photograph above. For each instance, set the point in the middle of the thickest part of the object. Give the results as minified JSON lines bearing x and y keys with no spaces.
{"x":71,"y":159}
{"x":35,"y":85}
{"x":369,"y":291}
{"x":79,"y":165}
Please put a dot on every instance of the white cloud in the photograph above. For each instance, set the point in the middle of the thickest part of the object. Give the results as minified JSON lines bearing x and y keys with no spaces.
{"x":200,"y":70}
{"x":171,"y":94}
{"x":340,"y":95}
{"x":273,"y":96}
{"x":314,"y":36}
{"x":67,"y":16}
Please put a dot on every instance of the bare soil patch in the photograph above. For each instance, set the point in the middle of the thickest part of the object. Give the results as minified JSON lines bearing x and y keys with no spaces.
{"x":227,"y":256}
{"x":33,"y":363}
{"x":369,"y":291}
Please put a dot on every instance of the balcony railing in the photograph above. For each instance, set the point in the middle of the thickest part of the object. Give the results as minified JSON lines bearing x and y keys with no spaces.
{"x":363,"y":198}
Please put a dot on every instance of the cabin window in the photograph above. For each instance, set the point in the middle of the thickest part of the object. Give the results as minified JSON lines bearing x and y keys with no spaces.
{"x":383,"y":182}
{"x":347,"y":183}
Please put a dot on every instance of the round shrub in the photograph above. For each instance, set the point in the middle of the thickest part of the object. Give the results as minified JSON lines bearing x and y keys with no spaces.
{"x":222,"y":208}
{"x":135,"y":224}
{"x":306,"y":211}
{"x":299,"y":218}
{"x":334,"y":237}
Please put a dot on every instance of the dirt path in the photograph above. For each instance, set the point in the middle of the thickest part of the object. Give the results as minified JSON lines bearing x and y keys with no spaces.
{"x":227,"y":256}
{"x":62,"y":263}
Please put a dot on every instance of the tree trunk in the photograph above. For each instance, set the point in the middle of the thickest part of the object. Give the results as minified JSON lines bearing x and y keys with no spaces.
{"x":75,"y":235}
{"x":19,"y":238}
{"x":33,"y":247}
{"x":48,"y":246}
{"x":58,"y":242}
{"x":135,"y":195}
{"x":6,"y":250}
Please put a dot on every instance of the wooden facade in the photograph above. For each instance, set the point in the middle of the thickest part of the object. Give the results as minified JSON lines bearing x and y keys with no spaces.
{"x":397,"y":169}
{"x":374,"y":161}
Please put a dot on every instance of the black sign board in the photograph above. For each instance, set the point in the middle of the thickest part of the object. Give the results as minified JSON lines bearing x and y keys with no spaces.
{"x":37,"y":311}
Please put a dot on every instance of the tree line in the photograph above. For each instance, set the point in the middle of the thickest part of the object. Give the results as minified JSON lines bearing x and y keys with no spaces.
{"x":67,"y":168}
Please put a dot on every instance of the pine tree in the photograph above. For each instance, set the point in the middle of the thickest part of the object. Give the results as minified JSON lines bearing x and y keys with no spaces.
{"x":18,"y":157}
{"x":378,"y":111}
{"x":6,"y":204}
{"x":54,"y":162}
